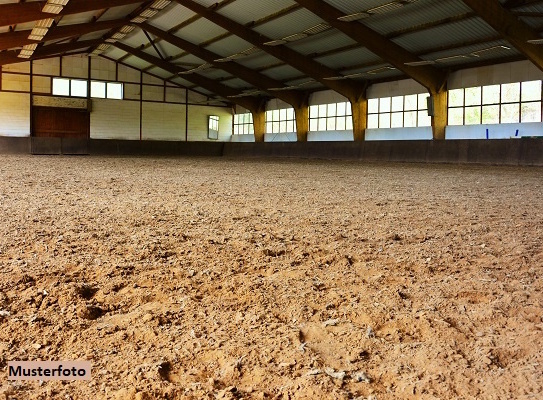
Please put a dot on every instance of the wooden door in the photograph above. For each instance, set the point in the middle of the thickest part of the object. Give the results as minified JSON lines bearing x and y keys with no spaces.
{"x":54,"y":122}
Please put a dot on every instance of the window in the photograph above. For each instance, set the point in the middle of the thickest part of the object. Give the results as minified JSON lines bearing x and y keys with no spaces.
{"x":213,"y":127}
{"x":280,"y":121}
{"x":114,"y":91}
{"x":214,"y":122}
{"x":243,"y":124}
{"x":78,"y":88}
{"x":98,"y":90}
{"x":61,"y":87}
{"x":496,"y":104}
{"x":399,"y":112}
{"x":331,"y":117}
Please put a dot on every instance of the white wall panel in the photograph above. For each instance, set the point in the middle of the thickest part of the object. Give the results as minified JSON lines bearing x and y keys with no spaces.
{"x":399,"y":134}
{"x":198,"y":122}
{"x":330,"y":136}
{"x":163,"y":121}
{"x":17,"y":67}
{"x":497,"y":131}
{"x":395,"y":88}
{"x":280,"y":137}
{"x":115,"y":119}
{"x":16,"y":82}
{"x":49,"y":66}
{"x":326,"y":97}
{"x":243,"y":138}
{"x":75,"y":67}
{"x":14,"y":114}
{"x":495,"y":74}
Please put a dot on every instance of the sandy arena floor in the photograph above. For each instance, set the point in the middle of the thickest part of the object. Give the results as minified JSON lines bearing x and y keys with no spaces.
{"x":272,"y":279}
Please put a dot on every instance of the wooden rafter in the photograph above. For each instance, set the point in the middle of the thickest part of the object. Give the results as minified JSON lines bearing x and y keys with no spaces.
{"x":348,"y":88}
{"x":261,"y":81}
{"x":510,"y":28}
{"x":253,"y":24}
{"x":11,"y":56}
{"x":17,"y":13}
{"x":11,"y":40}
{"x":430,"y":77}
{"x":250,"y":103}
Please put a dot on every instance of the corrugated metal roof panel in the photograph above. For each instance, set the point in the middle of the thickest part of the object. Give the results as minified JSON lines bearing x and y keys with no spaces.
{"x":200,"y":31}
{"x":114,"y":53}
{"x":348,"y":58}
{"x":282,"y":73}
{"x":167,"y":49}
{"x":229,"y":46}
{"x":535,"y":7}
{"x":80,"y":18}
{"x":258,"y":60}
{"x":534,"y":22}
{"x":245,"y":11}
{"x":94,"y":35}
{"x":446,"y":35}
{"x":118,"y":12}
{"x":188,"y":60}
{"x":289,"y":24}
{"x":214,"y":73}
{"x":137,"y":63}
{"x":354,"y":6}
{"x":321,"y":42}
{"x":135,"y":39}
{"x":25,"y":26}
{"x":466,"y":51}
{"x":415,"y":14}
{"x":206,"y":3}
{"x":237,"y":83}
{"x":172,"y":16}
{"x":159,"y":72}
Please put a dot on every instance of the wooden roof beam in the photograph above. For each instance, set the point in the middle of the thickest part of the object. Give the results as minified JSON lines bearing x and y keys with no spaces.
{"x":430,"y":77}
{"x":11,"y":56}
{"x":260,"y":81}
{"x":10,"y":40}
{"x":353,"y":90}
{"x":17,"y":13}
{"x":251,"y":103}
{"x":510,"y":27}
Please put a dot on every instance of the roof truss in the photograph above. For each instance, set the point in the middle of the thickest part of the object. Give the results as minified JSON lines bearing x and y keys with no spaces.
{"x":430,"y":77}
{"x":261,"y":81}
{"x":350,"y":89}
{"x":251,"y":103}
{"x":17,"y":13}
{"x":509,"y":27}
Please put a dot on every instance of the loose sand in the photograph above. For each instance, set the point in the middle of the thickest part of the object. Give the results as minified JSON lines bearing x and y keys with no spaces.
{"x":211,"y":278}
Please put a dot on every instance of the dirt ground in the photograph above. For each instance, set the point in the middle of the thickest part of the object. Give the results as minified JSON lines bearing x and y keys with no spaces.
{"x":272,"y":279}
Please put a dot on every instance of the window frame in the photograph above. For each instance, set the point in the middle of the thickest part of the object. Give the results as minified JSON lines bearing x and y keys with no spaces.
{"x":504,"y":108}
{"x":108,"y":87}
{"x":329,"y":117}
{"x":243,"y":124}
{"x":283,"y":120}
{"x":383,"y":113}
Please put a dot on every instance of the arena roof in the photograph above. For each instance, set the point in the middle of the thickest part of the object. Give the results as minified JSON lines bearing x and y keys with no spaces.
{"x":246,"y":51}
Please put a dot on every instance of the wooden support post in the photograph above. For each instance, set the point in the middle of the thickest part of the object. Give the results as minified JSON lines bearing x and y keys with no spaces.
{"x":301,"y":113}
{"x":359,"y":109}
{"x":259,"y":123}
{"x":440,"y":117}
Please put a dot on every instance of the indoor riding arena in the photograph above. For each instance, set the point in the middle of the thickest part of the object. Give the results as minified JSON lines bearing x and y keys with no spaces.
{"x":283,"y":199}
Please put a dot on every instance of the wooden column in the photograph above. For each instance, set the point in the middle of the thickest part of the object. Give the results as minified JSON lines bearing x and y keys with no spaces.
{"x":301,"y":114}
{"x":440,"y":117}
{"x":259,"y":123}
{"x":360,"y":118}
